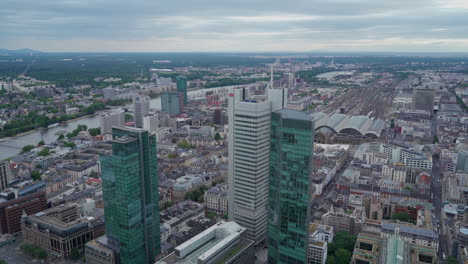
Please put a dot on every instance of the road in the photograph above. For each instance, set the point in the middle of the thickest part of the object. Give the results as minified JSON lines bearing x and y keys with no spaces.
{"x":436,"y":186}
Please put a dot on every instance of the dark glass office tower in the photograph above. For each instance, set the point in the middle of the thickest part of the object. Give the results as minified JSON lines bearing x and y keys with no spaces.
{"x":181,"y":82}
{"x":131,"y":200}
{"x":291,"y":153}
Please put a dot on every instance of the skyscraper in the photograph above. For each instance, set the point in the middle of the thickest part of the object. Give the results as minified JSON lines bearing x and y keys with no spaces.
{"x":141,"y":108}
{"x":249,"y":149}
{"x":131,"y":200}
{"x":112,"y":119}
{"x":291,"y":152}
{"x":423,"y":99}
{"x":172,"y":103}
{"x":181,"y":82}
{"x":5,"y":175}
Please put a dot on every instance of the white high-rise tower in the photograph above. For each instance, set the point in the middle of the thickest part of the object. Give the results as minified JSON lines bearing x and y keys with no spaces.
{"x":249,"y":153}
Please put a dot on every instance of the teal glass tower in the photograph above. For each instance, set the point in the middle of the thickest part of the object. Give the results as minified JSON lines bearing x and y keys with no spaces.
{"x":181,"y":82}
{"x":291,"y":153}
{"x":131,"y":200}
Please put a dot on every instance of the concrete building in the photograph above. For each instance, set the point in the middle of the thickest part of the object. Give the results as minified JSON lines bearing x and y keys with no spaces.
{"x":172,"y":103}
{"x":462,"y":161}
{"x":5,"y":175}
{"x":423,"y":99}
{"x":151,"y":122}
{"x":60,"y":229}
{"x":317,"y":252}
{"x":221,"y":243}
{"x":109,"y":93}
{"x":98,"y":252}
{"x":248,"y":166}
{"x":112,"y":119}
{"x":141,"y":105}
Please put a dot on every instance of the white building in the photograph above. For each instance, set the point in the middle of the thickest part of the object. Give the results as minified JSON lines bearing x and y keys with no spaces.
{"x":249,"y":153}
{"x":317,"y":252}
{"x":111,"y":119}
{"x":151,"y":122}
{"x":216,"y":199}
{"x":141,"y":108}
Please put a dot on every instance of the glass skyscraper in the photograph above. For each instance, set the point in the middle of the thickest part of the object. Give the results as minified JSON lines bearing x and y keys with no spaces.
{"x":181,"y":82}
{"x":131,"y":200}
{"x":291,"y":153}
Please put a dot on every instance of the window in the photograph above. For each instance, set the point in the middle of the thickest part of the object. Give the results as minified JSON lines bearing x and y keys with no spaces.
{"x":366,"y":246}
{"x":425,"y":258}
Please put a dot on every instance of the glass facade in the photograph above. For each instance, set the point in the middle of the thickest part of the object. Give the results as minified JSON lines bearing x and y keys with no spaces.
{"x":181,"y":82}
{"x":291,"y":154}
{"x":131,"y":200}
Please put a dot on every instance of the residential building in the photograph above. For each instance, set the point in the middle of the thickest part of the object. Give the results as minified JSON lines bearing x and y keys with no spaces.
{"x":5,"y":175}
{"x":111,"y":119}
{"x":181,"y":82}
{"x":172,"y":103}
{"x":291,"y":155}
{"x":60,"y":229}
{"x":98,"y":252}
{"x":216,"y":199}
{"x":141,"y":108}
{"x":222,"y":243}
{"x":248,"y":164}
{"x":130,"y":188}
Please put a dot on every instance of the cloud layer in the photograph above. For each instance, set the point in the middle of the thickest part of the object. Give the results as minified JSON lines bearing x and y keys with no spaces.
{"x":241,"y":25}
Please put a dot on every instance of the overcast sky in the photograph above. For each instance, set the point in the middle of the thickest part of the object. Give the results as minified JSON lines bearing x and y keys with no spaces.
{"x":235,"y":25}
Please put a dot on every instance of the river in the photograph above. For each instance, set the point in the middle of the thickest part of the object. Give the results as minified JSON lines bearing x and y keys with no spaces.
{"x":12,"y":146}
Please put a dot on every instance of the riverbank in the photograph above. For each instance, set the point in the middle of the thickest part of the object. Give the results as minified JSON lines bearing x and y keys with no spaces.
{"x":25,"y":133}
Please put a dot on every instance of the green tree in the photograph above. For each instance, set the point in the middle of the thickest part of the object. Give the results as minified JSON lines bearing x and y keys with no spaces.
{"x":27,"y":148}
{"x":401,"y":216}
{"x":44,"y":152}
{"x":172,"y":155}
{"x":75,"y":254}
{"x":185,"y":145}
{"x":36,"y":176}
{"x":61,"y":137}
{"x":167,"y":205}
{"x":343,"y":256}
{"x":217,"y":137}
{"x":94,"y":131}
{"x":435,"y":140}
{"x":128,"y":117}
{"x":69,"y":145}
{"x":331,"y":259}
{"x":41,"y":143}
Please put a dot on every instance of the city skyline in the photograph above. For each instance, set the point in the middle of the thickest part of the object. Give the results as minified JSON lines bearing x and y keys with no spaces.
{"x":302,"y":26}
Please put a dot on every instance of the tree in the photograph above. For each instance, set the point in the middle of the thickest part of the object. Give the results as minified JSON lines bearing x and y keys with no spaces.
{"x":167,"y":204}
{"x":75,"y":254}
{"x":128,"y":117}
{"x":41,"y":143}
{"x":435,"y":140}
{"x":401,"y":216}
{"x":94,"y":131}
{"x":217,"y":137}
{"x":36,"y":176}
{"x":342,"y":256}
{"x":27,"y":148}
{"x":331,"y":260}
{"x":44,"y":152}
{"x":93,"y":174}
{"x":451,"y":260}
{"x":69,"y":145}
{"x":172,"y":155}
{"x":61,"y":137}
{"x":185,"y":145}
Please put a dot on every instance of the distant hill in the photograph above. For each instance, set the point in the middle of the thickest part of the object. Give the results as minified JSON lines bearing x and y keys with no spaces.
{"x":18,"y":51}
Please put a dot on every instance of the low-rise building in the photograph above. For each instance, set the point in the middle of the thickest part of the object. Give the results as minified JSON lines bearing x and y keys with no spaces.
{"x":98,"y":252}
{"x":216,"y":199}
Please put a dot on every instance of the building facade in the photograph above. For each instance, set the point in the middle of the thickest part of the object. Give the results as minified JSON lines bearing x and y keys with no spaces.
{"x":130,"y":188}
{"x":291,"y":154}
{"x":5,"y":175}
{"x":141,"y":105}
{"x":181,"y":82}
{"x":112,"y":119}
{"x":172,"y":103}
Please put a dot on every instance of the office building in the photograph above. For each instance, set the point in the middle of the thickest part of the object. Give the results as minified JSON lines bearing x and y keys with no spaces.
{"x":291,"y":154}
{"x":151,"y":122}
{"x":172,"y":103}
{"x":181,"y":82}
{"x":60,"y":229}
{"x":109,"y":93}
{"x":5,"y":175}
{"x":141,"y":105}
{"x":131,"y":199}
{"x":221,"y":243}
{"x":423,"y":99}
{"x":462,"y":161}
{"x":13,"y":206}
{"x":248,"y":164}
{"x":111,"y":119}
